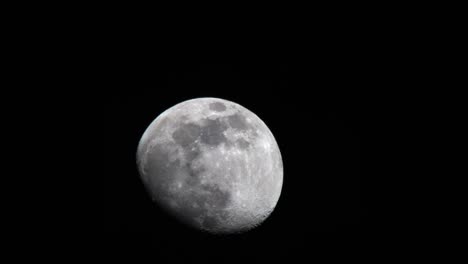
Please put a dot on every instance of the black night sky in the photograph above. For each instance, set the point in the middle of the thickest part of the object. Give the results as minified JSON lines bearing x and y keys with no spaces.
{"x":315,"y":102}
{"x":317,"y":126}
{"x":330,"y":86}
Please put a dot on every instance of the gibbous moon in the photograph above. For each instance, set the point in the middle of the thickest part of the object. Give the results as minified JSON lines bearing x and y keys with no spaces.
{"x":212,"y":164}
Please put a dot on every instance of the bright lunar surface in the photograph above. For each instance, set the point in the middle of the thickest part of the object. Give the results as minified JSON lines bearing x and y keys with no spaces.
{"x":212,"y":164}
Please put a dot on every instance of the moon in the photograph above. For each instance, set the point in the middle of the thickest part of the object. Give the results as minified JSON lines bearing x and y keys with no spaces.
{"x":212,"y":164}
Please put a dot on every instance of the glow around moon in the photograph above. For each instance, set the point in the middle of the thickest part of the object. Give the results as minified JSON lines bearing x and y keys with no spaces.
{"x":212,"y":164}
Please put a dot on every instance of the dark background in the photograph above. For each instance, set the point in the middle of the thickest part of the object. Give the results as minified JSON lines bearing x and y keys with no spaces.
{"x":110,"y":84}
{"x":319,"y":128}
{"x":331,"y":86}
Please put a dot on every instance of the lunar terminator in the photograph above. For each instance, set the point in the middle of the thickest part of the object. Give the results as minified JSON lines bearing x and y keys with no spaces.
{"x":213,"y":164}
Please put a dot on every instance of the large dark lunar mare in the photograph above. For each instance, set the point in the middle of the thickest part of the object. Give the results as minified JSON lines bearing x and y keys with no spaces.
{"x":212,"y":132}
{"x":186,"y":134}
{"x":212,"y":164}
{"x":218,"y":106}
{"x":237,"y":121}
